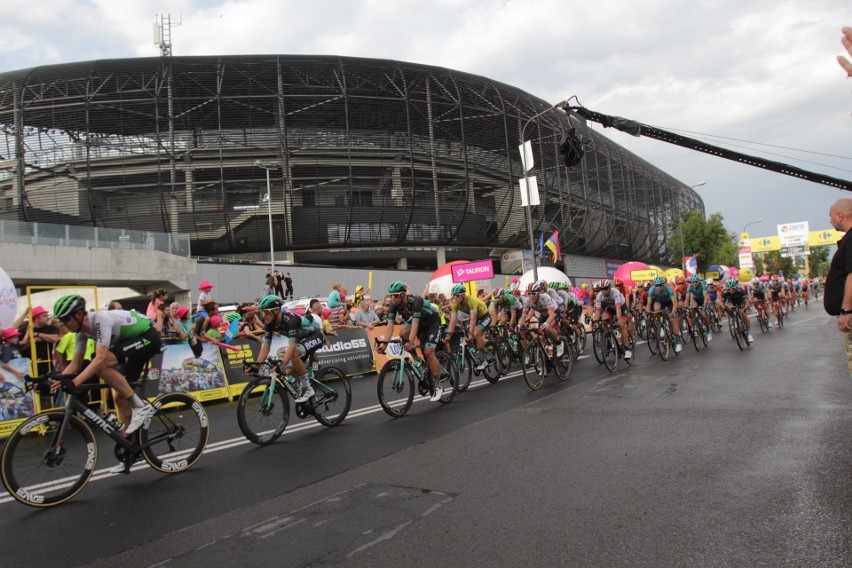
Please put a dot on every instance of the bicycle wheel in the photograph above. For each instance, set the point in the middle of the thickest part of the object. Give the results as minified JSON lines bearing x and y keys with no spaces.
{"x":762,"y":321}
{"x":610,"y":347}
{"x":653,"y":338}
{"x":631,"y":345}
{"x":534,"y":365}
{"x":464,"y":366}
{"x":581,"y":340}
{"x":664,"y":341}
{"x":686,"y":330}
{"x":563,"y":364}
{"x":642,"y":328}
{"x":35,"y":474}
{"x":395,"y":388}
{"x":332,"y":396}
{"x":450,"y":376}
{"x":597,"y":345}
{"x":175,"y":437}
{"x":504,"y":354}
{"x":493,"y":371}
{"x":263,"y":412}
{"x":738,"y":336}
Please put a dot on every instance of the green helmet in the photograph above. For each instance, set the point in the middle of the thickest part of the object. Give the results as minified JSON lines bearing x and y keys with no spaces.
{"x":553,"y":285}
{"x":270,"y":302}
{"x":67,"y":306}
{"x":231,"y":316}
{"x":397,"y":287}
{"x":564,"y":286}
{"x":732,"y":283}
{"x":459,"y":289}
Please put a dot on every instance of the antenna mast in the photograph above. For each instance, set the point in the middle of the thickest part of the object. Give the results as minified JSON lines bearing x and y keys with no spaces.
{"x":163,"y":34}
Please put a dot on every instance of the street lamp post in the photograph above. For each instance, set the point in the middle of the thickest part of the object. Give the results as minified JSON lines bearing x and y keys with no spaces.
{"x":527,"y":183}
{"x":750,"y":223}
{"x":269,"y":166}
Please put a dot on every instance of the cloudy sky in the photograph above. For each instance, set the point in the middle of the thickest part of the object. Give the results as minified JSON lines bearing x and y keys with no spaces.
{"x":758,"y":76}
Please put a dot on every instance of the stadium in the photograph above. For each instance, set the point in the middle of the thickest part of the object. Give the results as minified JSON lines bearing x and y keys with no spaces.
{"x":368,"y":161}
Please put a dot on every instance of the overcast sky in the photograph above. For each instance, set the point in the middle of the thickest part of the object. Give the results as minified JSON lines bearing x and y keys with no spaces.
{"x":761,"y":73}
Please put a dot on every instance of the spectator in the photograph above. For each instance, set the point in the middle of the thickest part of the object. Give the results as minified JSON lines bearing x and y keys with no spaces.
{"x":10,"y":339}
{"x":327,"y":329}
{"x":180,"y":323}
{"x":837,"y":302}
{"x":251,"y":326}
{"x":158,"y":297}
{"x":44,"y":335}
{"x":337,"y":304}
{"x":201,"y":324}
{"x":268,"y":288}
{"x":846,"y":40}
{"x":161,"y":321}
{"x":205,"y":287}
{"x":288,"y":283}
{"x":359,"y":296}
{"x":366,"y":317}
{"x":381,"y":313}
{"x":279,"y":285}
{"x":65,"y":350}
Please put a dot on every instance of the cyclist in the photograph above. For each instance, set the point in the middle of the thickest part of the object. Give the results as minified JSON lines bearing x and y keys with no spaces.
{"x":777,"y":294}
{"x":735,"y":296}
{"x":302,"y":336}
{"x":504,"y":307}
{"x":609,"y":302}
{"x":480,"y":319}
{"x":757,"y":294}
{"x":573,"y":309}
{"x":423,"y":323}
{"x":537,"y":300}
{"x":121,"y":338}
{"x":805,"y":291}
{"x":695,"y":297}
{"x":627,"y":308}
{"x":661,"y":297}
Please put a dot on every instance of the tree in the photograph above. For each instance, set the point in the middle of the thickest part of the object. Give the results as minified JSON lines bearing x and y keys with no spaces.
{"x":819,"y":261}
{"x":771,"y":262}
{"x":705,"y":236}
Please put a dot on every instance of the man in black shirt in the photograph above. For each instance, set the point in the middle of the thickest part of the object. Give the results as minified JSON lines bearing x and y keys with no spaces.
{"x":288,"y":282}
{"x":838,"y":283}
{"x":44,"y":335}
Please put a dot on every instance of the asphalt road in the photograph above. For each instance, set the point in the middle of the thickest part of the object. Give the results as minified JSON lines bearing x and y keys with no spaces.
{"x":717,"y":458}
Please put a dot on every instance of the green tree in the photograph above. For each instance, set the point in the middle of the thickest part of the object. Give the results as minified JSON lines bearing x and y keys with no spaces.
{"x":771,"y":262}
{"x":819,"y":261}
{"x":705,"y":236}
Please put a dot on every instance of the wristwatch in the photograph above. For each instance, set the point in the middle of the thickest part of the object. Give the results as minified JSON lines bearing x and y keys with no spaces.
{"x":845,"y":312}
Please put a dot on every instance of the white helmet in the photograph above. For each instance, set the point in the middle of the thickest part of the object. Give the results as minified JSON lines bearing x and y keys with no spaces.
{"x":755,"y":281}
{"x":709,"y":281}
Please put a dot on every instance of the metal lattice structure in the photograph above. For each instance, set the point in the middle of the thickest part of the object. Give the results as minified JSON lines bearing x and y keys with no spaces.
{"x":372,"y":153}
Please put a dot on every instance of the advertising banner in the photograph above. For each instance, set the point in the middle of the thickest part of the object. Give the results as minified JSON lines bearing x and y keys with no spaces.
{"x":611,"y":267}
{"x":16,"y":404}
{"x":8,"y":300}
{"x":479,"y":270}
{"x":793,"y":234}
{"x":177,"y":369}
{"x":824,"y":238}
{"x":765,"y":244}
{"x":642,"y":275}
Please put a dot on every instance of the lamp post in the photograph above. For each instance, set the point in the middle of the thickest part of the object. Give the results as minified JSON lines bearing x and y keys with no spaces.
{"x":750,"y":223}
{"x":680,"y":226}
{"x":269,"y":166}
{"x":527,"y":168}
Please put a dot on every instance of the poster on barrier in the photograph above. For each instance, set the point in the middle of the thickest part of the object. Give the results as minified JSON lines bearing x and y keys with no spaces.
{"x":16,"y":404}
{"x":177,"y":369}
{"x":233,"y":361}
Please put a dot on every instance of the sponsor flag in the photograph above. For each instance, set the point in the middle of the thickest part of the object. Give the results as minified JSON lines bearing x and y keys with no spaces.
{"x":690,"y":264}
{"x":552,"y":245}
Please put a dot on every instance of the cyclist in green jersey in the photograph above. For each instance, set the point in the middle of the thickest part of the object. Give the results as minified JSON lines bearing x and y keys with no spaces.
{"x":121,"y":338}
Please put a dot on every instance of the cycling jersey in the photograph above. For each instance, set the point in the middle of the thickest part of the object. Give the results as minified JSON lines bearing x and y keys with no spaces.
{"x":109,"y":328}
{"x":609,"y":301}
{"x":509,"y":304}
{"x":680,"y":292}
{"x":544,"y":303}
{"x":557,"y":300}
{"x":414,"y":308}
{"x":294,"y":326}
{"x":661,"y":295}
{"x":736,"y":295}
{"x":468,"y":305}
{"x":697,"y":290}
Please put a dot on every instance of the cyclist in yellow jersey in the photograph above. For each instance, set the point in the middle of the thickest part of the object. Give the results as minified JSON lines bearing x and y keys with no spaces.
{"x":480,"y":319}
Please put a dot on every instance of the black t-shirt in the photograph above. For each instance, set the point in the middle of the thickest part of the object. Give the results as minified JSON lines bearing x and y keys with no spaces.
{"x":841,"y":265}
{"x":44,"y":350}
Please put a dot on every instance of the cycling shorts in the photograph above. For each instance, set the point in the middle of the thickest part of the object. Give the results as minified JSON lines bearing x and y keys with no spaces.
{"x":663,"y":304}
{"x":484,"y":321}
{"x":309,"y":344}
{"x":699,"y":302}
{"x":135,"y":353}
{"x":428,"y":333}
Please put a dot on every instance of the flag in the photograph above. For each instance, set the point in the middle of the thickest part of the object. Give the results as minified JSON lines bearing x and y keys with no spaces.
{"x":690,"y":264}
{"x":541,"y":245}
{"x":552,"y":245}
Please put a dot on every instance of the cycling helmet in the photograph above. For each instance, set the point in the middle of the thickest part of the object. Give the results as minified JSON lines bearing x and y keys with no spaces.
{"x":755,"y":281}
{"x":605,"y":284}
{"x":516,"y":292}
{"x":396,"y":287}
{"x":231,"y":316}
{"x":498,"y":293}
{"x":659,"y":280}
{"x":693,"y":279}
{"x":618,"y":282}
{"x":774,"y":277}
{"x":553,"y":285}
{"x":538,"y":287}
{"x":680,"y":280}
{"x":67,"y":306}
{"x":564,"y":286}
{"x":459,"y":289}
{"x":270,"y":302}
{"x":731,"y":283}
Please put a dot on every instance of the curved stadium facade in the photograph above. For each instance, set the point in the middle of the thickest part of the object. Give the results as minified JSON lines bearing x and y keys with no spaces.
{"x":378,"y":159}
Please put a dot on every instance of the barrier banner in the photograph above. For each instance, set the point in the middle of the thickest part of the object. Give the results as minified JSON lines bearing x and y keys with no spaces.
{"x":350,"y":351}
{"x":16,"y":404}
{"x":233,"y":361}
{"x":177,"y":369}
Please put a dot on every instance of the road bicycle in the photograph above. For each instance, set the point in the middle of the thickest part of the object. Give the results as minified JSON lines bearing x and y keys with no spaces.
{"x":263,"y":410}
{"x":762,"y":316}
{"x":713,"y":317}
{"x":540,"y":357}
{"x":504,"y":350}
{"x":613,"y":349}
{"x":737,"y":327}
{"x":395,"y":385}
{"x":697,"y":330}
{"x":661,"y":336}
{"x":51,"y":456}
{"x":466,"y":359}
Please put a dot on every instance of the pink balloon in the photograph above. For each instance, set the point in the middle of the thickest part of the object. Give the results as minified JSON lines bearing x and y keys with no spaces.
{"x":734,"y":272}
{"x":625,"y":269}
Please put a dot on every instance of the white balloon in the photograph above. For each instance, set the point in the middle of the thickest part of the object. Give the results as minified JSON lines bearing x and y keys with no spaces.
{"x":544,"y":273}
{"x":8,"y":300}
